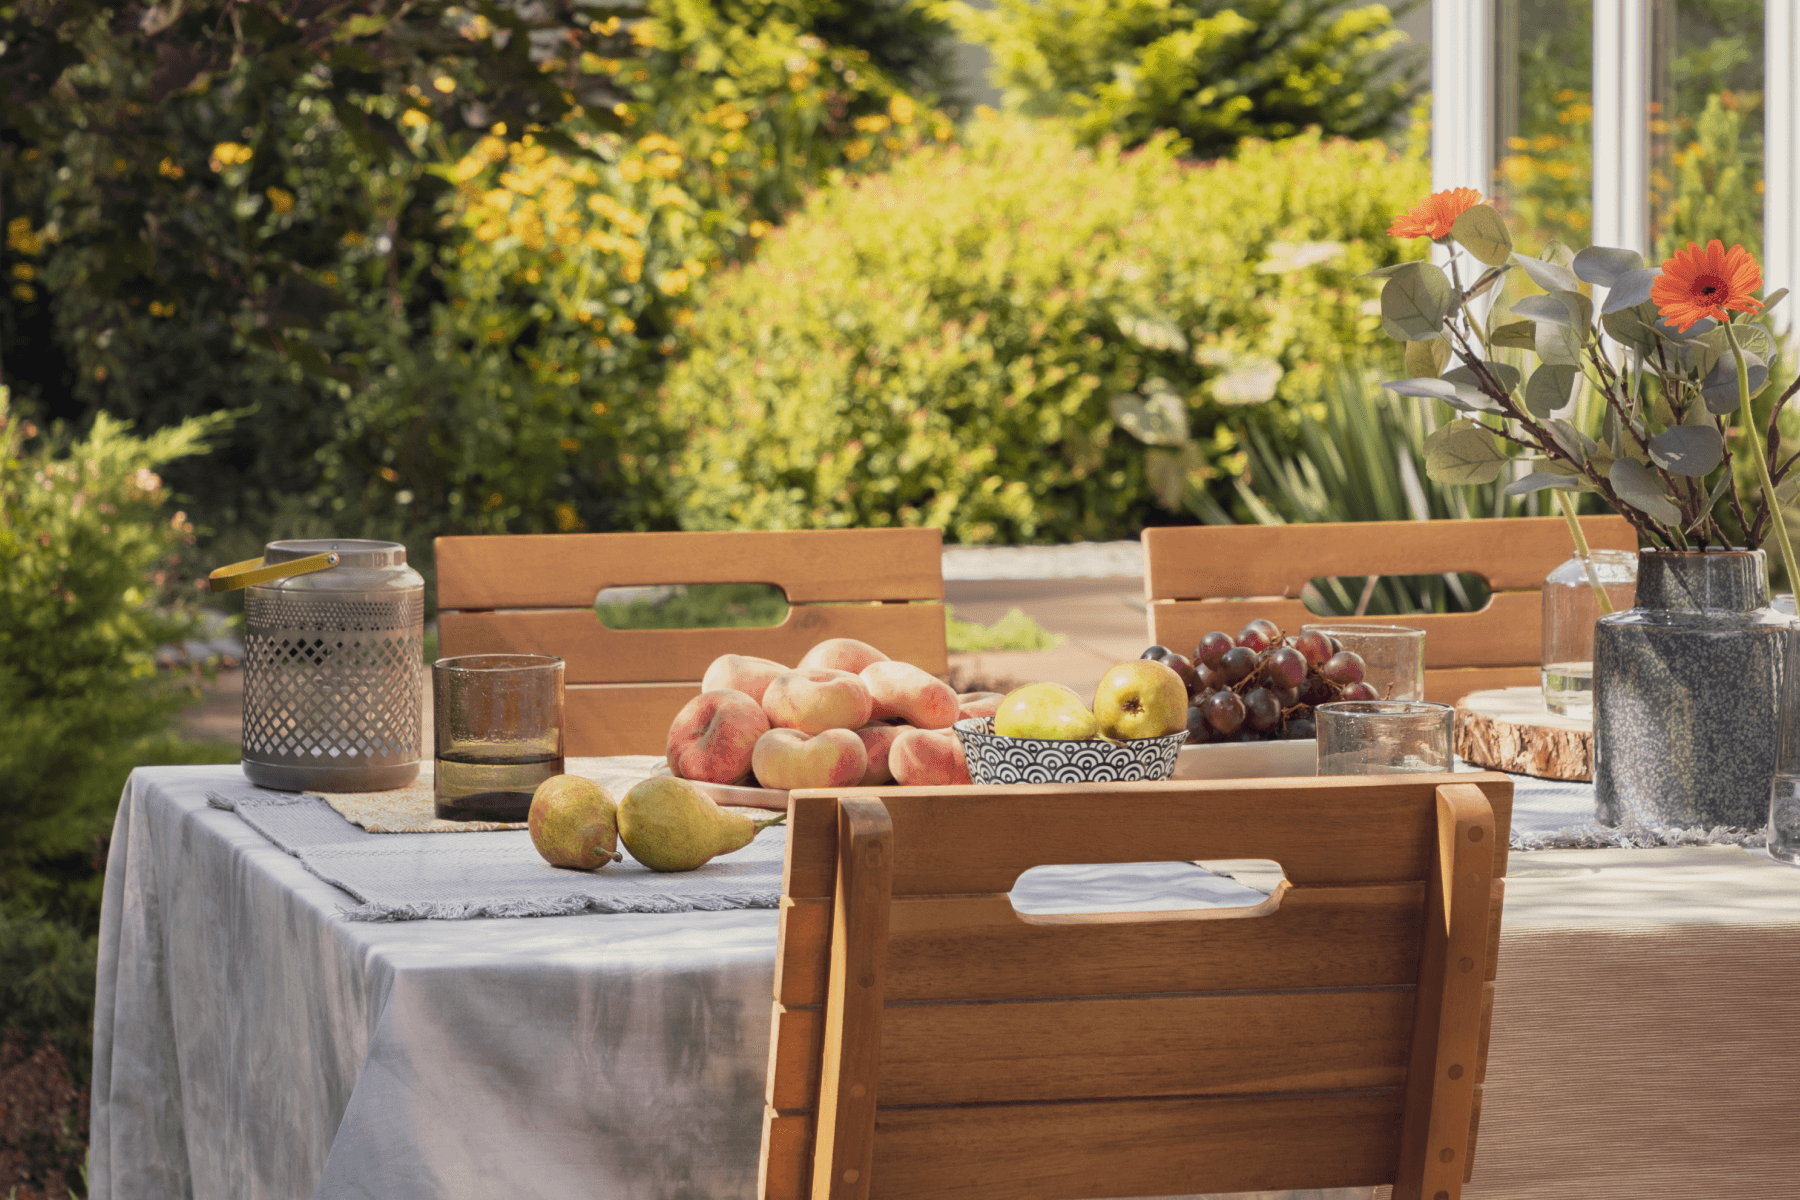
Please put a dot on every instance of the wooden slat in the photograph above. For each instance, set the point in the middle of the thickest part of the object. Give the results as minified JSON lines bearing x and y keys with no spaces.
{"x":1449,"y":686}
{"x":593,"y":653}
{"x":1442,"y":1077}
{"x":567,"y":570}
{"x":1135,"y":1148}
{"x":1507,"y":633}
{"x":844,"y":1141}
{"x":623,"y":719}
{"x":1333,"y":831}
{"x":970,"y":948}
{"x":785,"y":1169}
{"x":1195,"y":561}
{"x":803,"y":954}
{"x":1092,"y":1049}
{"x":1474,"y":1132}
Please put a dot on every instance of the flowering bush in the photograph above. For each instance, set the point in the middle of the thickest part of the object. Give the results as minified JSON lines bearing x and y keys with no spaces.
{"x":86,"y":545}
{"x":961,"y":342}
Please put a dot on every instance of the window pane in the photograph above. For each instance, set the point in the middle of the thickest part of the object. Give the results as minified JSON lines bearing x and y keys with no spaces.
{"x":1544,"y":131}
{"x":1706,"y":123}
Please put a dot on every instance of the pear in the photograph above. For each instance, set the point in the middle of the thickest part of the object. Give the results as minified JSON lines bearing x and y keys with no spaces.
{"x":668,"y":824}
{"x":1045,"y":710}
{"x":574,"y":823}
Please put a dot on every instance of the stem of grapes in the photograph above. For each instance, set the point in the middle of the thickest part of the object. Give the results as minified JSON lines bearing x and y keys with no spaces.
{"x":1762,"y":460}
{"x":1581,"y":548}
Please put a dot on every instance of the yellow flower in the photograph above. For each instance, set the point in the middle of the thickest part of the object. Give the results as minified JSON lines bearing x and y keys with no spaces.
{"x":632,"y":170}
{"x":412,"y":118}
{"x":24,"y":271}
{"x":598,"y":408}
{"x":352,"y":240}
{"x":22,"y":292}
{"x":495,"y":500}
{"x":758,"y":228}
{"x":569,"y":444}
{"x":901,"y":109}
{"x":566,"y":518}
{"x":168,"y":168}
{"x":873,"y":123}
{"x":230,"y":154}
{"x":857,"y":150}
{"x":673,"y":283}
{"x":282,"y":202}
{"x":444,"y":84}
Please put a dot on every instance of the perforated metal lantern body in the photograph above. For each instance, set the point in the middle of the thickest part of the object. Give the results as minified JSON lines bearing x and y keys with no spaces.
{"x":333,"y":670}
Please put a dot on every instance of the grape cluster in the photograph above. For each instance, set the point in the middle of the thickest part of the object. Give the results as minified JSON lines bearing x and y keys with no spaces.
{"x":1262,"y":685}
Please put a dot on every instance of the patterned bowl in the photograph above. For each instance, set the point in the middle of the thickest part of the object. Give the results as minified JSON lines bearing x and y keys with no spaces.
{"x":996,"y":759}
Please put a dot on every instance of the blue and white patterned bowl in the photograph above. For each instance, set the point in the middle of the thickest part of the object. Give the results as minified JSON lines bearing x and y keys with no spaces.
{"x":996,"y":759}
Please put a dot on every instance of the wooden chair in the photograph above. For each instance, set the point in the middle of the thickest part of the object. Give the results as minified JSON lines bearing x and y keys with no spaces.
{"x":930,"y":1041}
{"x":535,"y":594}
{"x":1198,"y":578}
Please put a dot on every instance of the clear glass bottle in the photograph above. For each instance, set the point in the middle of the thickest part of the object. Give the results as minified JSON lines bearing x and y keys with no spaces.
{"x":1570,"y":610}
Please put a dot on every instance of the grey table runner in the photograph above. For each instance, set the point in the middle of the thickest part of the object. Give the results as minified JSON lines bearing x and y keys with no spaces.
{"x":458,"y":876}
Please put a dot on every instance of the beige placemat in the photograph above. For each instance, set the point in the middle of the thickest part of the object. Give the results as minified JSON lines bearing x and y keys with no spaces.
{"x":411,"y":809}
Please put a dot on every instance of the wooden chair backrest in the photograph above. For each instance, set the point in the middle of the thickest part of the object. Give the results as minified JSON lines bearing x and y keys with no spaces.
{"x":931,"y":1041}
{"x":1198,"y":578}
{"x":534,"y":594}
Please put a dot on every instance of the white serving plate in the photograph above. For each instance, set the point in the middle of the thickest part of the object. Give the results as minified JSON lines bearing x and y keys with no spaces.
{"x":1248,"y":760}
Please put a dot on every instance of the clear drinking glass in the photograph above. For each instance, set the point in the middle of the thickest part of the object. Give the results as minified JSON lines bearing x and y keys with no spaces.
{"x":1570,"y":610}
{"x":1784,"y":789}
{"x":1383,"y":737}
{"x":498,"y":720}
{"x":1393,"y":656}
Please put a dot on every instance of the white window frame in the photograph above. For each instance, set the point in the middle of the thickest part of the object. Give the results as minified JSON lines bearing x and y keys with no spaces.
{"x":1462,"y":123}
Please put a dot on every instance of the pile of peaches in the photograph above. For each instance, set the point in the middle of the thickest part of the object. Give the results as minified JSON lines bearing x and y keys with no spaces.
{"x":847,"y":715}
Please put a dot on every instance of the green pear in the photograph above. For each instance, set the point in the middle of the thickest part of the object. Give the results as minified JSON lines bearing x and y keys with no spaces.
{"x":1142,"y":698}
{"x":668,"y":824}
{"x":1045,"y":710}
{"x":574,"y":823}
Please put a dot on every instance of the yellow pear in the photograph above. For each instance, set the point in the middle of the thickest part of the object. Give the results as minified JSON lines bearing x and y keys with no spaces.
{"x":668,"y":824}
{"x":574,"y":823}
{"x":1045,"y":710}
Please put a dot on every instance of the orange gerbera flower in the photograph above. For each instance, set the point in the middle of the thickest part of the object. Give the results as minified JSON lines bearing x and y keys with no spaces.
{"x":1433,"y":216}
{"x":1698,"y":283}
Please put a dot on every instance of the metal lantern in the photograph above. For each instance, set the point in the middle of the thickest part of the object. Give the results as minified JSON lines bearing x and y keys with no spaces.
{"x":333,"y":665}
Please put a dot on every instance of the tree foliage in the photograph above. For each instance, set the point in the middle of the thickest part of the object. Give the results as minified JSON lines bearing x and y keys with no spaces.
{"x":1213,"y":71}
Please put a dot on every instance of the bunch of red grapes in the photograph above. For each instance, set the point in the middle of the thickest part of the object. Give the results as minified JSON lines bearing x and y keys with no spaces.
{"x":1262,"y":686}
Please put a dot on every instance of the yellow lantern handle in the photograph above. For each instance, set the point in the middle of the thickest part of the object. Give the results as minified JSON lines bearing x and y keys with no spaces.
{"x":251,"y":571}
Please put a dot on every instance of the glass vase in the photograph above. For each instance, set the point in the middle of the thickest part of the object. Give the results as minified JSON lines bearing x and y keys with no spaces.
{"x":1570,"y":610}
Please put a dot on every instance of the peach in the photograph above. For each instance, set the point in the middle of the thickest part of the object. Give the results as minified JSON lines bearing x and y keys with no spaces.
{"x":787,"y":759}
{"x":814,"y":699}
{"x":977,"y":704}
{"x":877,"y":739}
{"x":904,"y":692}
{"x":842,"y":654}
{"x":713,"y":736}
{"x":927,"y":758}
{"x":741,"y":673}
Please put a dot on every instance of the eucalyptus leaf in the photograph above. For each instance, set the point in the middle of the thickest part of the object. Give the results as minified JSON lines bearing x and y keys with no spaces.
{"x":1559,"y":308}
{"x":1158,"y":420}
{"x":1427,"y":357}
{"x":1384,"y":272}
{"x":1416,"y":300}
{"x":1515,"y":335}
{"x":1463,"y":452}
{"x":1688,"y":449}
{"x":1551,"y":387}
{"x":1557,"y":254}
{"x":1537,"y":481}
{"x":1465,"y":378}
{"x":1637,"y":486}
{"x":1574,"y":443}
{"x":1558,"y":343}
{"x":1754,"y":339}
{"x":1481,"y":232}
{"x":1430,"y":387}
{"x":1712,"y":499}
{"x":1488,"y":279}
{"x":1548,"y":275}
{"x":1720,"y":388}
{"x":1632,"y":328}
{"x":1602,"y":265}
{"x":1775,"y":298}
{"x":1631,"y":289}
{"x":1700,"y":328}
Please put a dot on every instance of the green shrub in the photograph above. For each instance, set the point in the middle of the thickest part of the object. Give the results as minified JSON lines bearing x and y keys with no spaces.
{"x":1213,"y":71}
{"x":86,"y":545}
{"x":1014,"y":631}
{"x":959,"y":343}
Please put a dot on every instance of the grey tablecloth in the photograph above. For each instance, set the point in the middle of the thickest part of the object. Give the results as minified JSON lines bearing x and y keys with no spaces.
{"x":251,"y":1043}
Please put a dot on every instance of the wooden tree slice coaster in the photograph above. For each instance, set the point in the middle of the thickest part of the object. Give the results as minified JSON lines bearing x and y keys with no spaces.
{"x":1509,"y":729}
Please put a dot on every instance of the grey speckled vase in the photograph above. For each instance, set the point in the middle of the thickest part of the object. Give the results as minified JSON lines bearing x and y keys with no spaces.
{"x":1686,"y":693}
